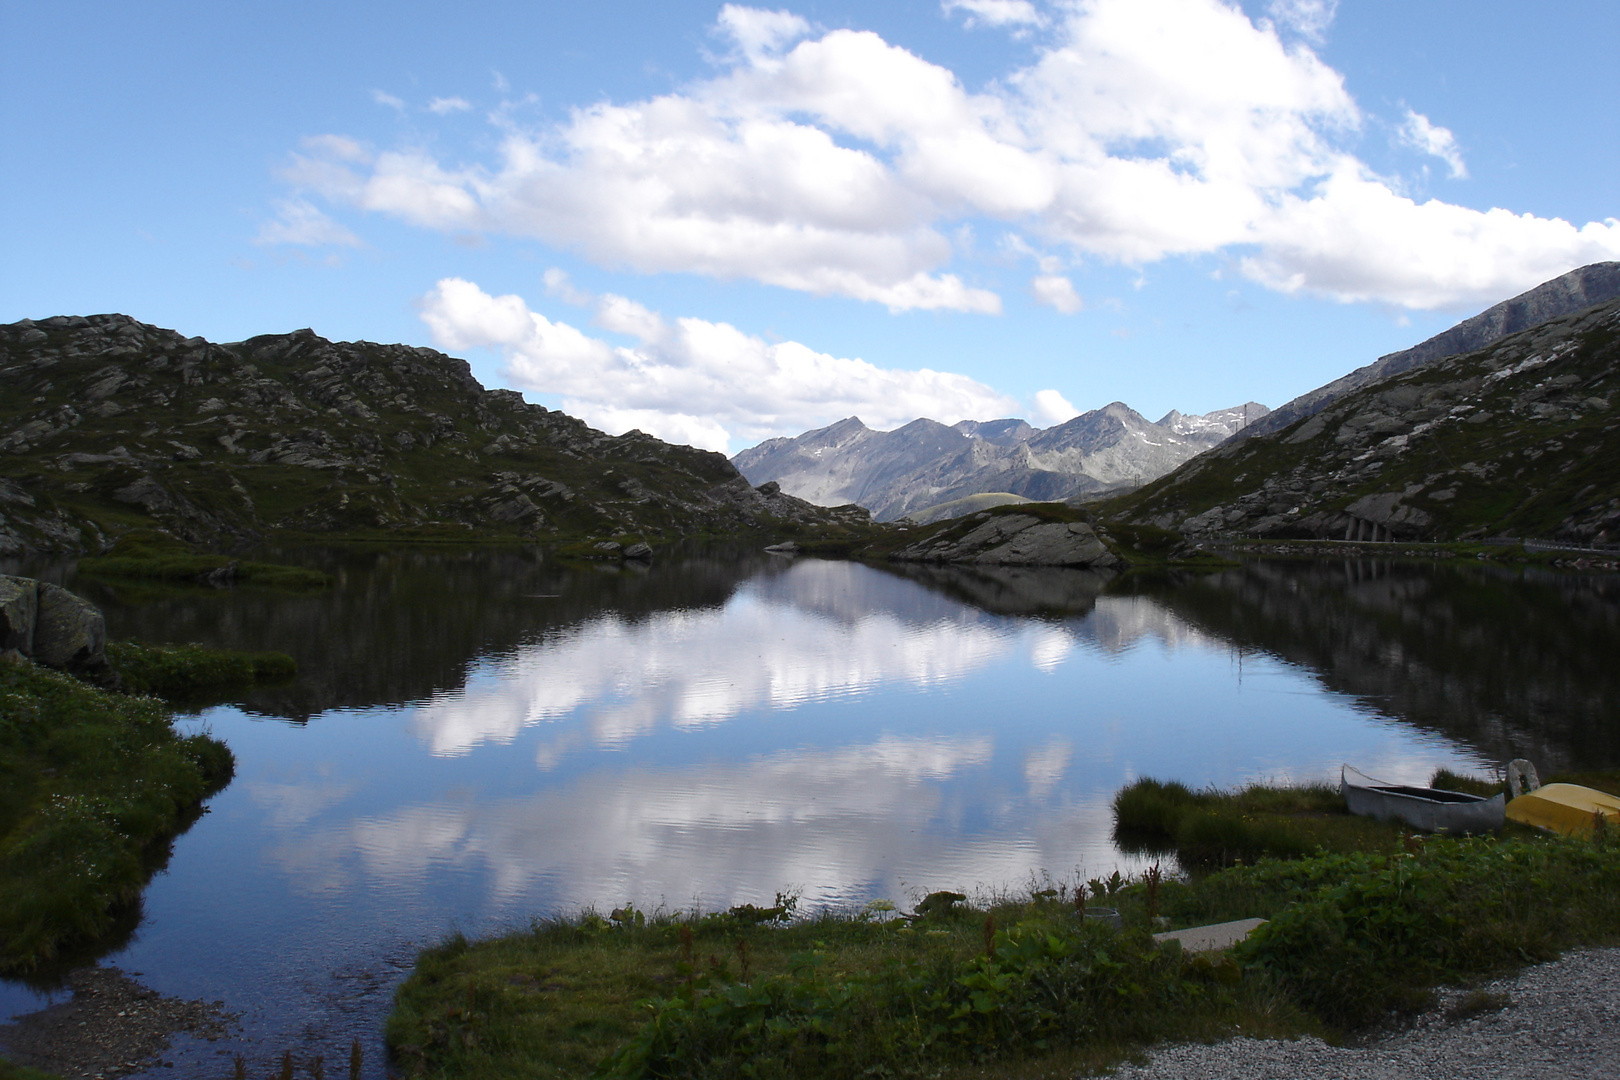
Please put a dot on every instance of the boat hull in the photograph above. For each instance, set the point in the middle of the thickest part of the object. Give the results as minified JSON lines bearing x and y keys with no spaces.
{"x":1426,"y":809}
{"x":1565,"y":808}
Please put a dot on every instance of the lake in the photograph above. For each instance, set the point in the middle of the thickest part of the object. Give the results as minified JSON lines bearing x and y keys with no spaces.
{"x":478,"y":737}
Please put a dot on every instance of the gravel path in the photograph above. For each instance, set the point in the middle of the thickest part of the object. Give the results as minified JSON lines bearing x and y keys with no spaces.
{"x":1558,"y":1021}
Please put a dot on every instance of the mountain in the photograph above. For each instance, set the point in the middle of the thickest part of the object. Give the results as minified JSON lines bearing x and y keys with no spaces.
{"x":919,"y":467}
{"x":109,"y":424}
{"x":1574,"y":291}
{"x":1519,"y":438}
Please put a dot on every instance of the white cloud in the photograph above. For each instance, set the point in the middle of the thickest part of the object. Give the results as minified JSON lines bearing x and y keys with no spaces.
{"x":558,"y":285}
{"x":842,"y":165}
{"x":1053,"y":408}
{"x":442,"y":106}
{"x":382,"y":97}
{"x":691,"y":380}
{"x":995,"y":12}
{"x":1355,"y":239}
{"x":301,"y":223}
{"x":1416,"y":131}
{"x":758,"y":33}
{"x":1308,"y":18}
{"x":1057,"y":291}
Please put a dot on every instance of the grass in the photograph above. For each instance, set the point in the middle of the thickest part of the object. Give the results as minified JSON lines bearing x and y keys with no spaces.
{"x":8,"y":1071}
{"x":1021,"y":987}
{"x":147,"y":555}
{"x":1209,"y":829}
{"x":1026,"y":984}
{"x":193,"y":675}
{"x":90,"y":783}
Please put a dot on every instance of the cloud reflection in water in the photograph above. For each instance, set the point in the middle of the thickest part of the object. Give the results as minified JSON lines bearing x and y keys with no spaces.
{"x":1009,"y":773}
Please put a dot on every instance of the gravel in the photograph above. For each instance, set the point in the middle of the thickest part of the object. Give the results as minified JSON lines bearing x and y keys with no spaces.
{"x":111,"y":1027}
{"x":1555,"y":1021}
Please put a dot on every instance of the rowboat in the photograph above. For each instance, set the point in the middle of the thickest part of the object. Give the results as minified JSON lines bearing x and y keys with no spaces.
{"x":1565,"y":808}
{"x":1429,"y":809}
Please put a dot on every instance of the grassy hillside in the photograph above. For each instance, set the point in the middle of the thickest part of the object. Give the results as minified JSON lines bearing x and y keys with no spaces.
{"x":1521,"y":438}
{"x":111,"y":425}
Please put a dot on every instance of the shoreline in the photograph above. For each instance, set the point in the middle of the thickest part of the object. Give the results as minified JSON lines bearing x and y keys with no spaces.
{"x":112,"y":1026}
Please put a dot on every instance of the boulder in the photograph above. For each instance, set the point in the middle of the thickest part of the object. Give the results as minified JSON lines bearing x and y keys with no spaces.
{"x":1017,"y":540}
{"x":19,"y":607}
{"x":69,"y":632}
{"x":639,"y":551}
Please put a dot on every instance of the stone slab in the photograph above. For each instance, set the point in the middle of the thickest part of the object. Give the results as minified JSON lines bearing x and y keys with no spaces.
{"x":1197,"y":939}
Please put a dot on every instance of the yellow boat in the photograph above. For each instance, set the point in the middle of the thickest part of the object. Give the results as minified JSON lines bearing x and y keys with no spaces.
{"x":1566,"y":808}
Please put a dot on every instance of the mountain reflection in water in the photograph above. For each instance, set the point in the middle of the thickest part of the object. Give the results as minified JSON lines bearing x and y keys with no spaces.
{"x":481,"y":736}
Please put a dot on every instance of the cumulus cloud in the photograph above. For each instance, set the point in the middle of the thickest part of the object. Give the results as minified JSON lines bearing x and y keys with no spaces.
{"x":1057,"y":291}
{"x":995,"y":12}
{"x":691,"y":380}
{"x":442,"y":106}
{"x":1053,"y":408}
{"x":1417,"y":132}
{"x":304,"y":224}
{"x":839,"y":164}
{"x":383,"y":97}
{"x":760,"y":34}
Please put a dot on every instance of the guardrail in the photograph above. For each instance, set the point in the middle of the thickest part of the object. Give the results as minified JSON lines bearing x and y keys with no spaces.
{"x":1494,"y":541}
{"x":1554,"y":545}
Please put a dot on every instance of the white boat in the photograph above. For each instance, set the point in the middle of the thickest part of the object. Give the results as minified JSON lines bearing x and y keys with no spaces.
{"x":1426,"y":808}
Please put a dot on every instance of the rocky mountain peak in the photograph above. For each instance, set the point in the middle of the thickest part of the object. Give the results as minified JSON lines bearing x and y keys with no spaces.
{"x":1519,"y":438}
{"x":1563,"y":295}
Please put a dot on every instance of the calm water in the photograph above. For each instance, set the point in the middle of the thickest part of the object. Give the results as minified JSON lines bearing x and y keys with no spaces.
{"x":477,"y":738}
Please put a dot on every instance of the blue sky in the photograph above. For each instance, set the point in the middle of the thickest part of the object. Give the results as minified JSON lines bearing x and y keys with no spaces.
{"x":719,"y":223}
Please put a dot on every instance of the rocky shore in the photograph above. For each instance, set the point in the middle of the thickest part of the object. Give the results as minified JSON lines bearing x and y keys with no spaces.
{"x":112,"y":1026}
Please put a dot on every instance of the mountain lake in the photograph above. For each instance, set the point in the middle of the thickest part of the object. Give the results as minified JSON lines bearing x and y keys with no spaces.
{"x":480,"y":736}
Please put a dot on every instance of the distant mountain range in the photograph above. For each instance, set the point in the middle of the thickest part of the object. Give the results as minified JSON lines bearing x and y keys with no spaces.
{"x":910,"y":471}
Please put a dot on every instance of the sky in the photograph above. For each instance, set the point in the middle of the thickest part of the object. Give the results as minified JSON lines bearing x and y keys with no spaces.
{"x":720,"y":223}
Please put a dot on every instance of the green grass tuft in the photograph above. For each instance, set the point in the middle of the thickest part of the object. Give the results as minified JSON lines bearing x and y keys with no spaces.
{"x":193,"y":675}
{"x":1219,"y":828}
{"x":90,"y":783}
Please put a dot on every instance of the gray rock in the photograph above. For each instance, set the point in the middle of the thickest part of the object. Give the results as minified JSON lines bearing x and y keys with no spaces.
{"x":19,"y":608}
{"x":639,"y":552}
{"x":69,"y":632}
{"x":1017,"y":540}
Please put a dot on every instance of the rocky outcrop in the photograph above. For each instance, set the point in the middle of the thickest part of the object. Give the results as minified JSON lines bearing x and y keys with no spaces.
{"x":925,"y":469}
{"x":52,"y":626}
{"x":1521,"y":438}
{"x":1012,"y":539}
{"x":1564,"y":295}
{"x":109,"y":424}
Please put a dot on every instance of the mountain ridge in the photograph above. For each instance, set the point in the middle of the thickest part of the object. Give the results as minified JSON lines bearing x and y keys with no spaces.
{"x":1518,"y":438}
{"x":924,"y":464}
{"x":1563,"y":295}
{"x":112,"y":425}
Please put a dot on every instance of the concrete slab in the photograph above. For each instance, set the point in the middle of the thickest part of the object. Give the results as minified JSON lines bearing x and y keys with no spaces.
{"x":1197,"y":939}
